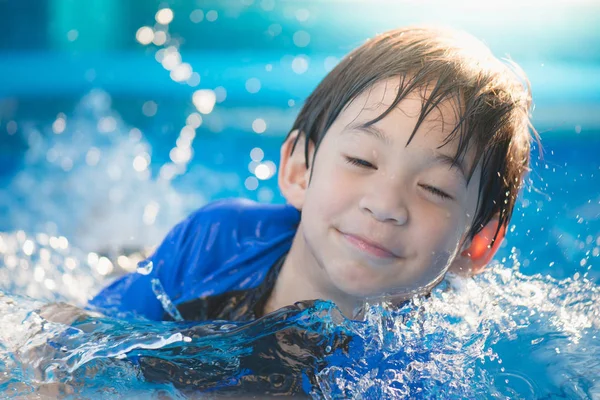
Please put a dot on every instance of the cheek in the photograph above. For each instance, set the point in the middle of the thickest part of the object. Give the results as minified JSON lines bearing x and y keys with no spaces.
{"x":436,"y":245}
{"x":439,"y":234}
{"x":331,"y":189}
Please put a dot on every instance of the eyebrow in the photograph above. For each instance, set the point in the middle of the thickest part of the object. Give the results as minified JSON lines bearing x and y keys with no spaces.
{"x":371,"y":130}
{"x":380,"y":135}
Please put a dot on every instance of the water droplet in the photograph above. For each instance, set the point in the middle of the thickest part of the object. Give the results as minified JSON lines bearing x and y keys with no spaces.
{"x":145,"y":267}
{"x":165,"y":300}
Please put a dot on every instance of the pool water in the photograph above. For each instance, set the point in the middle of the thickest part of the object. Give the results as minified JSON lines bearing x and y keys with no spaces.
{"x":91,"y":180}
{"x":527,"y":328}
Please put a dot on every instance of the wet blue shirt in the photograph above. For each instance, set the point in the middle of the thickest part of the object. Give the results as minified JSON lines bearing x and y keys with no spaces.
{"x":223,"y":251}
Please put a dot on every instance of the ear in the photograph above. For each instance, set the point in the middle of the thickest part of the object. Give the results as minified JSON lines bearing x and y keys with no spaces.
{"x":480,"y":250}
{"x":293,"y":175}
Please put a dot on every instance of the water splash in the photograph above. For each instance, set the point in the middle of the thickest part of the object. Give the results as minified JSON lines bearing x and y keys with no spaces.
{"x":165,"y":300}
{"x":48,"y":268}
{"x":145,"y":267}
{"x":467,"y":339}
{"x":95,"y":178}
{"x":462,"y":342}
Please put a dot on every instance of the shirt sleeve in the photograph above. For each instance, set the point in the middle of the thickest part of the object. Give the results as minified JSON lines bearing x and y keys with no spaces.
{"x":178,"y":253}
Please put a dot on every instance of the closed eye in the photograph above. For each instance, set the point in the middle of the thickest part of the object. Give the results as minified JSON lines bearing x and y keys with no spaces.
{"x":437,"y":192}
{"x":360,"y":163}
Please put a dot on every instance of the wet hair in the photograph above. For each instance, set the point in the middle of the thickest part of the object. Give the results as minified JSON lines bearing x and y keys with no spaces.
{"x":491,"y":97}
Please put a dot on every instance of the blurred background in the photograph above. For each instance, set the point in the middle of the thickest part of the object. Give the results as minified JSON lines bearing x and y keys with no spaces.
{"x":119,"y":117}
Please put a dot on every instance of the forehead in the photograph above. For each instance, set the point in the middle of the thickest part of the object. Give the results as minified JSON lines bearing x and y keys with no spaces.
{"x":437,"y":125}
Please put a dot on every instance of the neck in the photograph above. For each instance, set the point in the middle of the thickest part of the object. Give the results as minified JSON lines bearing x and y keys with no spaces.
{"x":302,"y":278}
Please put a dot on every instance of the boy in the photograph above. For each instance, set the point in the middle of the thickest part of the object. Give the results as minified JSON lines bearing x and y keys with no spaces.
{"x":403,"y":164}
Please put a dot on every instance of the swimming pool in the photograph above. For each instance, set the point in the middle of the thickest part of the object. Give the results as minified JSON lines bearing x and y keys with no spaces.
{"x":91,"y":179}
{"x":467,"y":335}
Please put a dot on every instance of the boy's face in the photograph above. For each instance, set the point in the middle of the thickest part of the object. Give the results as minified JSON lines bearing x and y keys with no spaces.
{"x":380,"y":216}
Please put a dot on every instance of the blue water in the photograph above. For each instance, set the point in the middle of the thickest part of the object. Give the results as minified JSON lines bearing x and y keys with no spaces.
{"x":89,"y":183}
{"x":541,"y":296}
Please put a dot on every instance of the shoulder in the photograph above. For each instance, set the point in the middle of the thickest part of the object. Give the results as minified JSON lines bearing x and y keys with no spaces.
{"x":224,"y":227}
{"x":226,"y":207}
{"x":231,"y":235}
{"x":239,"y":213}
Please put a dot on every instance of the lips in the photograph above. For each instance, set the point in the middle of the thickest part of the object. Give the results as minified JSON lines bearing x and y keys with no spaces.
{"x":368,"y":246}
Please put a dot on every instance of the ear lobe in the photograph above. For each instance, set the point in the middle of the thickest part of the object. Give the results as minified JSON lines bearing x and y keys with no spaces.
{"x":293,"y":174}
{"x":481,"y":250}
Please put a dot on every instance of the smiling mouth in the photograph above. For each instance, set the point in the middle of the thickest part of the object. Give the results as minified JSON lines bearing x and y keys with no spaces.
{"x":368,"y":247}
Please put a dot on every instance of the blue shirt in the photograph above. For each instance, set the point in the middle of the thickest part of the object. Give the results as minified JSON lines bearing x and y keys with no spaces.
{"x":221,"y":251}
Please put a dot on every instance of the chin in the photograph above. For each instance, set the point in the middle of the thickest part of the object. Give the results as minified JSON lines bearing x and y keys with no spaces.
{"x":354,"y":280}
{"x":363,"y":282}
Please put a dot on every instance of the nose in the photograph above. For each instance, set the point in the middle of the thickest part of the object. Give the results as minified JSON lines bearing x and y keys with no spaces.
{"x":385,"y":204}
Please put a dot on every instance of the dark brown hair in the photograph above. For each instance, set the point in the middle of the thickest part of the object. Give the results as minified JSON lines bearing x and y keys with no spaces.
{"x":492,"y":99}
